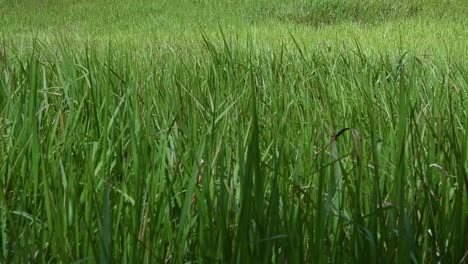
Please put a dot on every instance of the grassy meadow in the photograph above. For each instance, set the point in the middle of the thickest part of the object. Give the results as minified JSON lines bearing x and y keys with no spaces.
{"x":242,"y":131}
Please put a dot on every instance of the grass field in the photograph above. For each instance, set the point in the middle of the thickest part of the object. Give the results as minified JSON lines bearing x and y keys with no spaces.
{"x":203,"y":131}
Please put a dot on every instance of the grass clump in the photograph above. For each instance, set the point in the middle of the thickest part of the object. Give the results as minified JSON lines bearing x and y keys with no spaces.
{"x":232,"y":154}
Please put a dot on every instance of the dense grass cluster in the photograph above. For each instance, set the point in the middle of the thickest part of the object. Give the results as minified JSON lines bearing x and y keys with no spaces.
{"x":233,"y":154}
{"x":241,"y":131}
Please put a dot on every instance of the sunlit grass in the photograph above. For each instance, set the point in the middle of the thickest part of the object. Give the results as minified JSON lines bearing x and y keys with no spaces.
{"x":233,"y":155}
{"x":213,"y":132}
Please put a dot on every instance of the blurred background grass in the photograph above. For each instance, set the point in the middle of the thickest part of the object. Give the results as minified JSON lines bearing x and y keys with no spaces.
{"x":422,"y":26}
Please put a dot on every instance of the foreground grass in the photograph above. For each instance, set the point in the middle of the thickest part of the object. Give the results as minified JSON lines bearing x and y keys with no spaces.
{"x":232,"y":154}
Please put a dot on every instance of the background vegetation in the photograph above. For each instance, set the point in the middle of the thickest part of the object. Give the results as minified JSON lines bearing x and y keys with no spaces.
{"x":234,"y":131}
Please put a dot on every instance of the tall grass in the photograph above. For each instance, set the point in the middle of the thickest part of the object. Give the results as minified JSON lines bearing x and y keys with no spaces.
{"x":235,"y":154}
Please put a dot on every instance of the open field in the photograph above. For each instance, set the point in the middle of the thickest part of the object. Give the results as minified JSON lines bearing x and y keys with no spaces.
{"x":419,"y":26}
{"x":234,"y":131}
